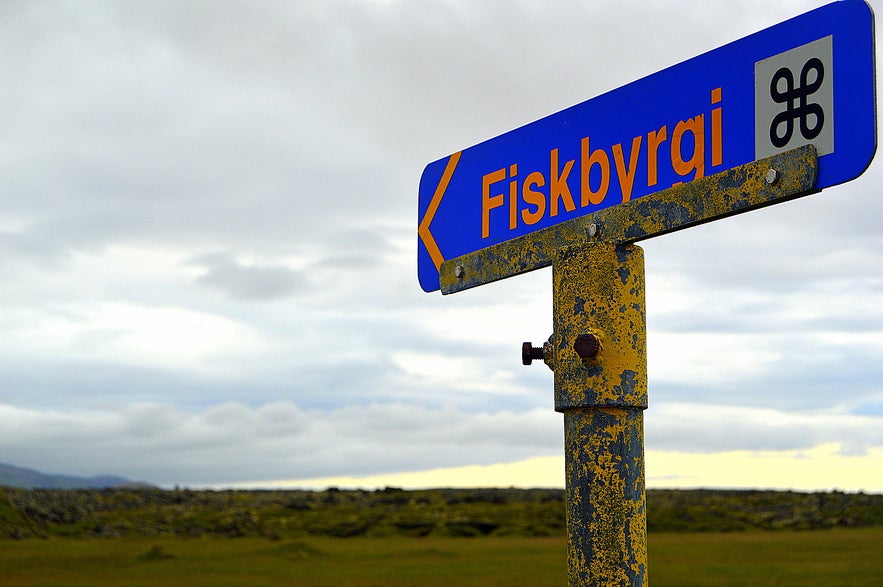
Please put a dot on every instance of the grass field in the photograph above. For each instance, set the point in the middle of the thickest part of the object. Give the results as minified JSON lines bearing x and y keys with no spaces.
{"x":805,"y":559}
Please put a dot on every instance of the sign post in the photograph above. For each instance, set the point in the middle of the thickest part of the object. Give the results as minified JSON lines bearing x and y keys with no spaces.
{"x":775,"y":116}
{"x":600,"y":364}
{"x":598,"y":353}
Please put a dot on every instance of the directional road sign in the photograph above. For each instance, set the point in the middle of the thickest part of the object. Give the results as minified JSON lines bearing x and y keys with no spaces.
{"x":808,"y":80}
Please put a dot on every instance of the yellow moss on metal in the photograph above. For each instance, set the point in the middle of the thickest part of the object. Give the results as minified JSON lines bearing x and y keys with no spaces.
{"x":598,"y":289}
{"x":737,"y":190}
{"x":606,"y":500}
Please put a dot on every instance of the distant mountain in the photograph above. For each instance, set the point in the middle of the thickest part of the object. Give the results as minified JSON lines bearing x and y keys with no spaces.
{"x":12,"y":476}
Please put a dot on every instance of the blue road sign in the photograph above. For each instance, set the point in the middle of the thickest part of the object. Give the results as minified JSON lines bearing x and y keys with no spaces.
{"x":808,"y":80}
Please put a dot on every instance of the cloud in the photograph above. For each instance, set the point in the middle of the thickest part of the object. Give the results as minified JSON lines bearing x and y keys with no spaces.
{"x":133,"y":335}
{"x":164,"y":444}
{"x":823,"y":468}
{"x":248,"y":282}
{"x":209,"y":252}
{"x":704,"y":428}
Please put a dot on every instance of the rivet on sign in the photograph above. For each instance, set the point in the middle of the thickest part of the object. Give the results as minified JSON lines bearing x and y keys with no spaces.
{"x":771,"y":176}
{"x":459,"y":271}
{"x":593,"y":230}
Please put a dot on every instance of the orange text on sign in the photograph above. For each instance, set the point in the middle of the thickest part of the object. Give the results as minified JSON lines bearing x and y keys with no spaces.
{"x":542,"y":193}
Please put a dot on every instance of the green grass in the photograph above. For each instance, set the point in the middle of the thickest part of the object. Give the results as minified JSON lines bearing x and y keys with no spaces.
{"x":805,"y":559}
{"x":316,"y":562}
{"x":830,"y":558}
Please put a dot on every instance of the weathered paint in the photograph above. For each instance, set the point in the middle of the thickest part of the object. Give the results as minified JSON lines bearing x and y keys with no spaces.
{"x":605,"y":500}
{"x":710,"y":198}
{"x":598,"y":289}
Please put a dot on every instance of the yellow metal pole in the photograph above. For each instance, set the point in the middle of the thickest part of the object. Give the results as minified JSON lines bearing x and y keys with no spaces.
{"x":600,"y":364}
{"x":598,"y":349}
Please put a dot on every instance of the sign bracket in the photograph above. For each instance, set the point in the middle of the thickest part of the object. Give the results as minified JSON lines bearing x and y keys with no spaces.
{"x":768,"y":181}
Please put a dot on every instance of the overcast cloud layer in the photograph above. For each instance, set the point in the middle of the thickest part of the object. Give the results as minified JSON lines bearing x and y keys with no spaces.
{"x":208,"y":245}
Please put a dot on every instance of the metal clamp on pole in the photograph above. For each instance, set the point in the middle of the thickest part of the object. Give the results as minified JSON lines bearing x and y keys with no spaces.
{"x":601,"y":388}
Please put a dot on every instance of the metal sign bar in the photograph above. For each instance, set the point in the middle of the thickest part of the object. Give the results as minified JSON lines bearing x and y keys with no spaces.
{"x":755,"y":185}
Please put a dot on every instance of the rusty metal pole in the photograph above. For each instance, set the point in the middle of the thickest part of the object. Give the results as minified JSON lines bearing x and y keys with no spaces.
{"x":600,"y":364}
{"x":598,"y":349}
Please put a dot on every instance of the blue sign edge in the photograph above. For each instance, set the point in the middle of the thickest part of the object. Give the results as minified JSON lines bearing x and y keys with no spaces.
{"x":863,"y":66}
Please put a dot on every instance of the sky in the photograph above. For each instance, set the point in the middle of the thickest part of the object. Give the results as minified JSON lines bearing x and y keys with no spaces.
{"x":208,"y":250}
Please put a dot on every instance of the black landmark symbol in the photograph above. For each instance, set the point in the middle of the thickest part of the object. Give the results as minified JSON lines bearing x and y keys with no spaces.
{"x":803,"y":110}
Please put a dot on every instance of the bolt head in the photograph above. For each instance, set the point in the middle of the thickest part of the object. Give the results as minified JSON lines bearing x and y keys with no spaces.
{"x":459,"y":271}
{"x":771,"y":176}
{"x":593,"y":230}
{"x":526,"y":358}
{"x":587,"y":346}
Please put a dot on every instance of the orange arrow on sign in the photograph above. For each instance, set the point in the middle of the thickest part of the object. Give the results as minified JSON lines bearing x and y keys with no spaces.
{"x":423,"y":229}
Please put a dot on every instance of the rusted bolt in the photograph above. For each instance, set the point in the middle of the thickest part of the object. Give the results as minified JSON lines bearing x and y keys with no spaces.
{"x":459,"y":272}
{"x":586,"y":346}
{"x":771,"y":176}
{"x":530,"y":353}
